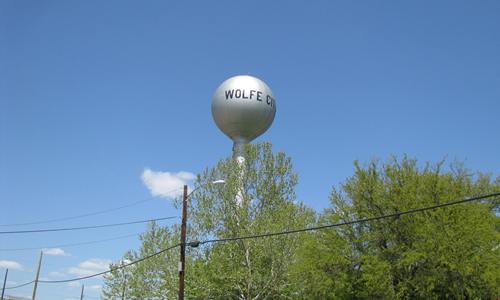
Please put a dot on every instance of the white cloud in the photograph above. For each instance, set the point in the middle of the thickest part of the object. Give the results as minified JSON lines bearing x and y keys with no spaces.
{"x":94,"y":287}
{"x":90,"y":266}
{"x":56,"y":274}
{"x":55,"y":252}
{"x":44,"y":278}
{"x":10,"y":264}
{"x":166,"y":184}
{"x":75,"y":284}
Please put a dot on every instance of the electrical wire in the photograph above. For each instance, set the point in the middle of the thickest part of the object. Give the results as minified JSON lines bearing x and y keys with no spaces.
{"x":196,"y":243}
{"x":113,"y":269}
{"x":75,"y":217}
{"x":397,"y":214}
{"x":100,"y":273}
{"x":84,"y":215}
{"x":68,"y":297}
{"x":71,"y":245}
{"x":19,"y":285}
{"x":84,"y":227}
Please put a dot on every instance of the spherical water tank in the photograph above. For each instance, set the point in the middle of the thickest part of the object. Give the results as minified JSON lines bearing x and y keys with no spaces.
{"x":243,"y":107}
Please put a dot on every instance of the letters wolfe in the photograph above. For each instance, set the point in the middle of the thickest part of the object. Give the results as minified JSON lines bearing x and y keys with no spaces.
{"x":252,"y":94}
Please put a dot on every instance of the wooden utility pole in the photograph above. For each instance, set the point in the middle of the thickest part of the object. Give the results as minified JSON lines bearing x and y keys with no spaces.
{"x":4,"y":282}
{"x":182,"y":263}
{"x":81,"y":295}
{"x":37,"y":275}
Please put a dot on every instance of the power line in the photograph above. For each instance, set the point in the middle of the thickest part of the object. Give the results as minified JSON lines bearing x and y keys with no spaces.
{"x":113,"y":269}
{"x":196,"y":243}
{"x":75,"y":217}
{"x":397,"y":214}
{"x":84,"y":227}
{"x":83,"y":215}
{"x":19,"y":285}
{"x":292,"y":231}
{"x":100,"y":273}
{"x":70,"y":245}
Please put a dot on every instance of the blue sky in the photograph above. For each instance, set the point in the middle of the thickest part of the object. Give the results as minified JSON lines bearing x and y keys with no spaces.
{"x":92,"y":93}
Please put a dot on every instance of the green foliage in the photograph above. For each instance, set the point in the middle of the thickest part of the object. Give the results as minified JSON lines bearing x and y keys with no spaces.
{"x":257,"y":197}
{"x":254,"y":268}
{"x":449,"y":253}
{"x":154,"y":278}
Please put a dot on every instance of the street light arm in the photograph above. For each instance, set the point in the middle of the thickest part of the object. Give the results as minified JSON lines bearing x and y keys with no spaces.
{"x":219,"y":181}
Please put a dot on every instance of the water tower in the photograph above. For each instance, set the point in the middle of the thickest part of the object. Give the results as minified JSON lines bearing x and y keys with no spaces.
{"x":243,"y":108}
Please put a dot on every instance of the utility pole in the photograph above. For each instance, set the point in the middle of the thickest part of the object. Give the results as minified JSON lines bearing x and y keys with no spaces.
{"x":81,"y":295}
{"x":4,"y":282}
{"x":37,"y":275}
{"x":182,"y":263}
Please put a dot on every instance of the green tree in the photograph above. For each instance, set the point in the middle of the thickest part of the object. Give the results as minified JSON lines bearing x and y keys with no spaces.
{"x":153,"y":278}
{"x":257,"y":197}
{"x":253,"y":268}
{"x":448,"y":253}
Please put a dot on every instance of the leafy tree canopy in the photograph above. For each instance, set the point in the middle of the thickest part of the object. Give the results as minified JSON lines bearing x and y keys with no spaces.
{"x":447,"y":253}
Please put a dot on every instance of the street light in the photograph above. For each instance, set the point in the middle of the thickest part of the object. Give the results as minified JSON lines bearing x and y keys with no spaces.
{"x":182,"y":262}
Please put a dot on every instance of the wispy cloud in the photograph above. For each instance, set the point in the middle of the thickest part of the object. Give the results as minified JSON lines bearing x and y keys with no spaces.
{"x":55,"y":252}
{"x":95,"y":287}
{"x":76,"y":284}
{"x":56,"y":274}
{"x":166,"y":184}
{"x":10,"y":264}
{"x":90,"y":266}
